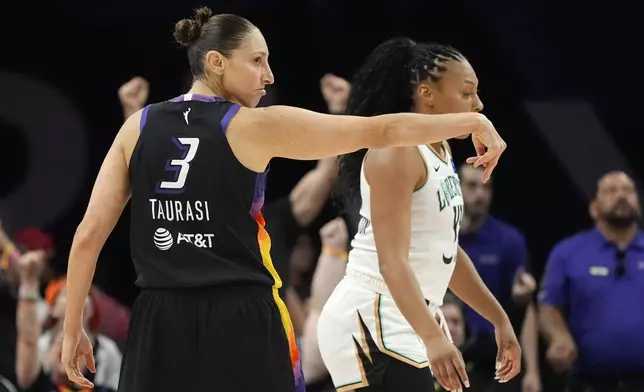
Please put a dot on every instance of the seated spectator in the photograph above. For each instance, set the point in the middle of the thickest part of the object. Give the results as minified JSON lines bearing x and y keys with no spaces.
{"x":39,"y":367}
{"x":592,"y":294}
{"x":301,"y":266}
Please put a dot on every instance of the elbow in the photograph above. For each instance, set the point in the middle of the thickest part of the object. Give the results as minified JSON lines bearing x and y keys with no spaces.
{"x":86,"y":233}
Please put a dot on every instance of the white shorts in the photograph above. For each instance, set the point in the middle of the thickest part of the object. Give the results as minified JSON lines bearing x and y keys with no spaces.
{"x":361,"y":330}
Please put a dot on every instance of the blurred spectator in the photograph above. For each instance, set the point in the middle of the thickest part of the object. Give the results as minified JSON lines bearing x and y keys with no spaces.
{"x":329,"y":272}
{"x":38,"y":363}
{"x":590,"y":279}
{"x":499,"y":254}
{"x":115,"y":317}
{"x":301,"y":264}
{"x":17,"y":285}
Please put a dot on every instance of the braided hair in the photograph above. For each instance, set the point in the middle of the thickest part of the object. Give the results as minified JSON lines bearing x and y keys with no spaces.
{"x":385,"y":84}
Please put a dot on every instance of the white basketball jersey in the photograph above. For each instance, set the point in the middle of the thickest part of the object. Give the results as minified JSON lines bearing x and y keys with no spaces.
{"x":436,"y":214}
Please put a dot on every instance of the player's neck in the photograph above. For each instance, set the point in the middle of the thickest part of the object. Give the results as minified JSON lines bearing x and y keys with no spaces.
{"x":619,"y":236}
{"x":201,"y":88}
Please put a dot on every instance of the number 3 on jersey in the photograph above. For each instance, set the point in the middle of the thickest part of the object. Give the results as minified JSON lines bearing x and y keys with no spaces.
{"x":180,"y":167}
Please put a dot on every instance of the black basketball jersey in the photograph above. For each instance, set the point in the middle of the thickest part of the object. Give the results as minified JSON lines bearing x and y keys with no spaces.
{"x":196,"y":210}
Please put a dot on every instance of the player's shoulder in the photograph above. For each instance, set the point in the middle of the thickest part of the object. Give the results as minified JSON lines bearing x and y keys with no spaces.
{"x":399,"y":163}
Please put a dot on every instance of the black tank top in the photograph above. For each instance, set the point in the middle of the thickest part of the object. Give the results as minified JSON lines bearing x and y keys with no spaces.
{"x":196,"y":210}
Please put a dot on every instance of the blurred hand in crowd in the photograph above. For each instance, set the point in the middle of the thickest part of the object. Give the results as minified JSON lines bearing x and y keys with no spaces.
{"x":523,"y":287}
{"x":562,"y":353}
{"x":133,"y":95}
{"x":335,"y":235}
{"x":531,"y":383}
{"x":335,"y":91}
{"x":31,"y":266}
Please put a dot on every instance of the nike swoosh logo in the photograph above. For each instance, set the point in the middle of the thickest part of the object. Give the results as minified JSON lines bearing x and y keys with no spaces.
{"x":448,"y":260}
{"x":437,"y":168}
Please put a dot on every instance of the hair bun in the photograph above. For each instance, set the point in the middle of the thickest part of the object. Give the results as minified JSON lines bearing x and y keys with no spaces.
{"x":187,"y":31}
{"x":202,"y":15}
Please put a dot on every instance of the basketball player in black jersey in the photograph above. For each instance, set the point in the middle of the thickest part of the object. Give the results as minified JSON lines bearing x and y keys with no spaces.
{"x":208,"y":316}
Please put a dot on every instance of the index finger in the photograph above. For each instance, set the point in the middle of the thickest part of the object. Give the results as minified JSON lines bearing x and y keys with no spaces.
{"x":459,"y":365}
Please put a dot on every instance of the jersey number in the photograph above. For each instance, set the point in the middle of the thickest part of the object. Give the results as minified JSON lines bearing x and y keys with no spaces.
{"x":180,"y":167}
{"x":458,"y":219}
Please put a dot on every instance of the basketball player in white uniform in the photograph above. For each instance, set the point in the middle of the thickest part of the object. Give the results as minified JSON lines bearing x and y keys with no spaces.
{"x":382,"y":328}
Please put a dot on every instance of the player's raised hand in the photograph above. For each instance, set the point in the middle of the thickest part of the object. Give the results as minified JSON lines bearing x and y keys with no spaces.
{"x":447,"y":364}
{"x":489,"y":146}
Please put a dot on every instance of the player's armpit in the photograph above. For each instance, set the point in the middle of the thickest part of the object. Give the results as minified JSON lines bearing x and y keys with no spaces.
{"x":258,"y":135}
{"x":393,"y":174}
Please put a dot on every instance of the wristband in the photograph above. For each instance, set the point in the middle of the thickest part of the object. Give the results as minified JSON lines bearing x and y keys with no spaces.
{"x":28,"y":294}
{"x":335,"y":252}
{"x":32,"y":296}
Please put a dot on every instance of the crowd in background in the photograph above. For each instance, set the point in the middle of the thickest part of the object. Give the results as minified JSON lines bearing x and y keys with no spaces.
{"x":578,"y":328}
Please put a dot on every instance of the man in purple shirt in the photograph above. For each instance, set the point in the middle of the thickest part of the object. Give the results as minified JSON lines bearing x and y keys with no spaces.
{"x":592,"y":298}
{"x":499,"y":254}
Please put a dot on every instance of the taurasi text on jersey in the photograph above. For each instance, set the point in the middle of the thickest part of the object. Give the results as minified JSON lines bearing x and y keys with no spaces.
{"x":180,"y":211}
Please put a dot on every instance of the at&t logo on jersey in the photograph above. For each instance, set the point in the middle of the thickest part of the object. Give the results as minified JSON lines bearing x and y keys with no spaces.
{"x":198,"y":240}
{"x":163,"y":239}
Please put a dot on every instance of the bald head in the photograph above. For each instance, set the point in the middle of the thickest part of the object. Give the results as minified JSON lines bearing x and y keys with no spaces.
{"x":616,"y":201}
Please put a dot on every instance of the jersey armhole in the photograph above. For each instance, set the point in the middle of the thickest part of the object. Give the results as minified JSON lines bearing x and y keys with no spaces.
{"x":144,"y":117}
{"x":422,"y":158}
{"x":230,"y":113}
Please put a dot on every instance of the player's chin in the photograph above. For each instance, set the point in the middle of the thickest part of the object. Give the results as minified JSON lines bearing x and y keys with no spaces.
{"x":253,"y":102}
{"x":463,"y":136}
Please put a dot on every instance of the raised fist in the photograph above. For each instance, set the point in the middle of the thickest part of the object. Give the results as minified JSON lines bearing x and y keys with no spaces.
{"x":133,"y":95}
{"x":335,"y":91}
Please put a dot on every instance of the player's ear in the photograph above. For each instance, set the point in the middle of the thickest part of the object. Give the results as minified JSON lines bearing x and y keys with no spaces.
{"x":425,"y":95}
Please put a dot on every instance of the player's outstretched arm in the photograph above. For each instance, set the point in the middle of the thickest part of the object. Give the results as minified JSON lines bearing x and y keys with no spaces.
{"x":258,"y":135}
{"x":110,"y":195}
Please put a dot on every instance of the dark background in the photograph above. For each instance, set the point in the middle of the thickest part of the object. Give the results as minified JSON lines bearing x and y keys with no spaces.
{"x":522,"y":50}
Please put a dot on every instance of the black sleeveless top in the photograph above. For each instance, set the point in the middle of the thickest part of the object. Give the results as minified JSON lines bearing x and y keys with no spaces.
{"x":196,"y":210}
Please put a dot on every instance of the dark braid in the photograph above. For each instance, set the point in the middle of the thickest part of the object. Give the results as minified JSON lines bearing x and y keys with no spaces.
{"x":385,"y":84}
